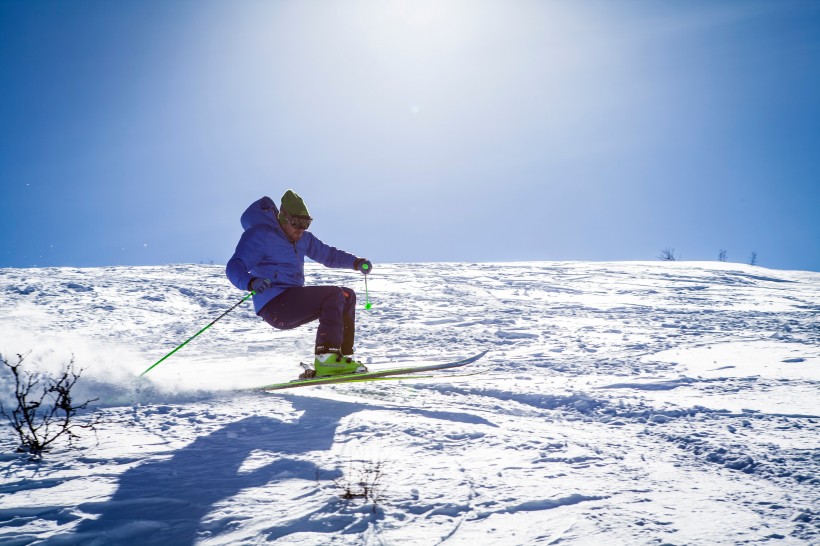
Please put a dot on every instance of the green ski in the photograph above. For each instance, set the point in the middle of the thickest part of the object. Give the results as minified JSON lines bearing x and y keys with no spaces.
{"x":371,"y":375}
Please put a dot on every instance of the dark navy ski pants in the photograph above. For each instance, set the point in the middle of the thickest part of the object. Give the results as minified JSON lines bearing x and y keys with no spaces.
{"x":334,"y":306}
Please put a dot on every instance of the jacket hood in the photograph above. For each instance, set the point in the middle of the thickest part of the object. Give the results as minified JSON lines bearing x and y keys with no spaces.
{"x":261,"y":212}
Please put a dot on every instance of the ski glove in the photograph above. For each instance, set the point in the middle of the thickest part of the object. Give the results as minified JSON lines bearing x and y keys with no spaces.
{"x":258,"y":285}
{"x":363,"y":265}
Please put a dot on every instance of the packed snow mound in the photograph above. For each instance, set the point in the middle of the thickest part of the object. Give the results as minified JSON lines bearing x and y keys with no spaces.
{"x":620,"y":403}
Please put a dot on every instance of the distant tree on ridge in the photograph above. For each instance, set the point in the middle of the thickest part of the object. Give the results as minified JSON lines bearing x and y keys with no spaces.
{"x":668,"y":255}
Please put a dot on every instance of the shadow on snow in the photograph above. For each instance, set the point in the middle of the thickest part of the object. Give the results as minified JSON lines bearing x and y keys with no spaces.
{"x":164,"y":502}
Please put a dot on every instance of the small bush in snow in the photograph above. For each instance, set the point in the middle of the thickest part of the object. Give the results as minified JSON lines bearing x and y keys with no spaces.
{"x":45,"y":409}
{"x":363,"y":482}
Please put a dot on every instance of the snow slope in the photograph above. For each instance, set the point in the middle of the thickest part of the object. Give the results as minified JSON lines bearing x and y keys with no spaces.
{"x":620,"y":403}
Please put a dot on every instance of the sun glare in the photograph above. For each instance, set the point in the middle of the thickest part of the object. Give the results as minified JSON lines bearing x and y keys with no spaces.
{"x":418,"y":13}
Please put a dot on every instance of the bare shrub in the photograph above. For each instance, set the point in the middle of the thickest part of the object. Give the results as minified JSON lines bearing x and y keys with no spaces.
{"x":45,"y":410}
{"x":363,"y":480}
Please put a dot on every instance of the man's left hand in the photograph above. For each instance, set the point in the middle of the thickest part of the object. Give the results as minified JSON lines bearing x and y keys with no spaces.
{"x":363,"y":265}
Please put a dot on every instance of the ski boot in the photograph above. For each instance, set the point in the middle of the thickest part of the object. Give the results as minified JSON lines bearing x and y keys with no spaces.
{"x":335,"y":364}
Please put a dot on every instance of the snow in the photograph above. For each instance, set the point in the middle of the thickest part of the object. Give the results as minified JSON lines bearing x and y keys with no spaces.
{"x":620,"y":403}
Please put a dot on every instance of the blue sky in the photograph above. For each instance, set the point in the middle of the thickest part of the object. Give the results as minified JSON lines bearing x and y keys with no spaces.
{"x":137,"y":132}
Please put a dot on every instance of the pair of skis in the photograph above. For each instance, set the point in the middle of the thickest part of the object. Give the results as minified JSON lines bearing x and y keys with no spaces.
{"x":371,"y":375}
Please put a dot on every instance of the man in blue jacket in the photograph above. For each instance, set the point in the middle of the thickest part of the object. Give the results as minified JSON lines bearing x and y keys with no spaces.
{"x":270,"y":260}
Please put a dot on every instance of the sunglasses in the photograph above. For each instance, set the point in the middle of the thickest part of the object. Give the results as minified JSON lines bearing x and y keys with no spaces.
{"x":297,"y":222}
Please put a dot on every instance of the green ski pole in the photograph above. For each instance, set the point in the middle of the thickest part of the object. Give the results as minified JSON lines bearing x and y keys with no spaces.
{"x":158,"y":362}
{"x":367,"y":304}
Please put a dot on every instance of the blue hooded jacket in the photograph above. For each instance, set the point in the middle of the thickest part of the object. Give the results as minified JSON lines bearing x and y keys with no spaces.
{"x":265,"y":251}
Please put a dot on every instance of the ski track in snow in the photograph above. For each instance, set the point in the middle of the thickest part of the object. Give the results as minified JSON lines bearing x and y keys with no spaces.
{"x":620,"y":403}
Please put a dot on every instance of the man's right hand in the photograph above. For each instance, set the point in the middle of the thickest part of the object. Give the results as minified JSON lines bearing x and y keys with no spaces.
{"x":258,"y":285}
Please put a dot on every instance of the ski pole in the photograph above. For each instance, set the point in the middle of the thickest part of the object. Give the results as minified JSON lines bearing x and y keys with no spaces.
{"x":367,"y":304}
{"x":157,"y":363}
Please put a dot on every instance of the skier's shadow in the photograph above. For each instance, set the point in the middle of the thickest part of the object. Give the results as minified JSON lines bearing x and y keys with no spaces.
{"x":164,"y":502}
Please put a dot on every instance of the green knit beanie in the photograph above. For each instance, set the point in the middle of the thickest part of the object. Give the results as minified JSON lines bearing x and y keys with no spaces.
{"x":293,"y":204}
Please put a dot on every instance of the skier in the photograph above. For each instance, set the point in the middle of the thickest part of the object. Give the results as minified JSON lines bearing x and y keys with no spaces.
{"x":270,"y":260}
